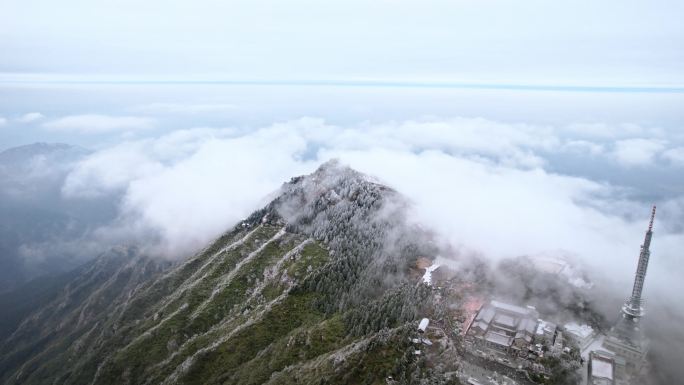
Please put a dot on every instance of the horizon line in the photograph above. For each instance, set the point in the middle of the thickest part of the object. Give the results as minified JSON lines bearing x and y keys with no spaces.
{"x":357,"y":83}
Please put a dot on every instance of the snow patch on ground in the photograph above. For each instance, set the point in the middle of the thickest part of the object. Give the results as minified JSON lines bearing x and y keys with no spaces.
{"x":427,"y":277}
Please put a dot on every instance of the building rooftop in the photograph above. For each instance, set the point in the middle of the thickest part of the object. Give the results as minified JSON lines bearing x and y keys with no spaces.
{"x":499,"y":339}
{"x":512,"y":308}
{"x":579,"y":331}
{"x":601,"y":367}
{"x":423,"y":324}
{"x":500,"y":323}
{"x":545,"y":327}
{"x":506,"y":320}
{"x":486,"y":314}
{"x":528,"y":325}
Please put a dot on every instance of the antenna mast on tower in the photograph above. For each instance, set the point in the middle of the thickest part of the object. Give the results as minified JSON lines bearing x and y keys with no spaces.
{"x":633,"y":310}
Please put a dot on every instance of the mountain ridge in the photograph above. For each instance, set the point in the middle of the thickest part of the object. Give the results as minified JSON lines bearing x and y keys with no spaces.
{"x":290,"y":286}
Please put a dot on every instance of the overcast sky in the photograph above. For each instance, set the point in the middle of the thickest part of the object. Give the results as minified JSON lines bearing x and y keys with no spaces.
{"x":626,"y":43}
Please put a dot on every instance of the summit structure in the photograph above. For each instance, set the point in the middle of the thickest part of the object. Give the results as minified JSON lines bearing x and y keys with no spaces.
{"x":626,"y":339}
{"x":628,"y":326}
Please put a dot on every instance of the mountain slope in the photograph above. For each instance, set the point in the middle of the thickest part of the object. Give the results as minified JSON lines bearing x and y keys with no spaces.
{"x":316,"y":287}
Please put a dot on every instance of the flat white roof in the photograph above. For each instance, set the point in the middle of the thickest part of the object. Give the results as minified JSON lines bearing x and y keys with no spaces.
{"x":543,"y":326}
{"x":423,"y":324}
{"x":505,"y":319}
{"x":486,"y":314}
{"x":595,"y":344}
{"x":581,"y":331}
{"x":511,"y":308}
{"x":498,"y":339}
{"x":601,"y":368}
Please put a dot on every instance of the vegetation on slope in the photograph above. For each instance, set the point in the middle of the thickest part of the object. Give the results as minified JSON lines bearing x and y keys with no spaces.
{"x":312,"y":288}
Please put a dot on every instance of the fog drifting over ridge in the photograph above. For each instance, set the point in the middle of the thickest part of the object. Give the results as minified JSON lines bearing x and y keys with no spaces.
{"x":483,"y":186}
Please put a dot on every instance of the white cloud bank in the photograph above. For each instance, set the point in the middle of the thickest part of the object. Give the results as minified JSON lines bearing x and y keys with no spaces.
{"x":638,"y":151}
{"x":30,"y":117}
{"x":94,"y":123}
{"x":481,"y":185}
{"x":186,"y":108}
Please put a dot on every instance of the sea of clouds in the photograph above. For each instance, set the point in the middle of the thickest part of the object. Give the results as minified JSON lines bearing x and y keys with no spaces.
{"x":483,"y":185}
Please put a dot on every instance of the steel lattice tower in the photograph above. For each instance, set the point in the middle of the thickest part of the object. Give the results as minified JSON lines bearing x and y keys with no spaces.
{"x":632,"y":310}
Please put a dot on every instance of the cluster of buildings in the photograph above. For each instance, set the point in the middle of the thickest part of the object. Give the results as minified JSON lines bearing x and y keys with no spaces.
{"x":619,"y":358}
{"x":515,"y":336}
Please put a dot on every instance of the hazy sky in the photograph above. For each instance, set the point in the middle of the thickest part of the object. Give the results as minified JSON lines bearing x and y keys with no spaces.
{"x":626,"y":43}
{"x":609,"y":62}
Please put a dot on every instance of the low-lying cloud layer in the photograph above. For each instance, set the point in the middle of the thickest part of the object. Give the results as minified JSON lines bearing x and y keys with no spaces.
{"x":484,"y":186}
{"x":30,"y":117}
{"x":94,"y":123}
{"x":487,"y":188}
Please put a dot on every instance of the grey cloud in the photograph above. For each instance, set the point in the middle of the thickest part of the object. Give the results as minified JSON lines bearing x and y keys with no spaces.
{"x":637,"y":151}
{"x":613,"y":131}
{"x":675,"y":156}
{"x":584,"y":147}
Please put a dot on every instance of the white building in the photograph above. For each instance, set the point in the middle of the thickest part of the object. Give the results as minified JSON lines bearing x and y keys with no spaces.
{"x":422,"y":326}
{"x":601,"y":368}
{"x":580,"y":334}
